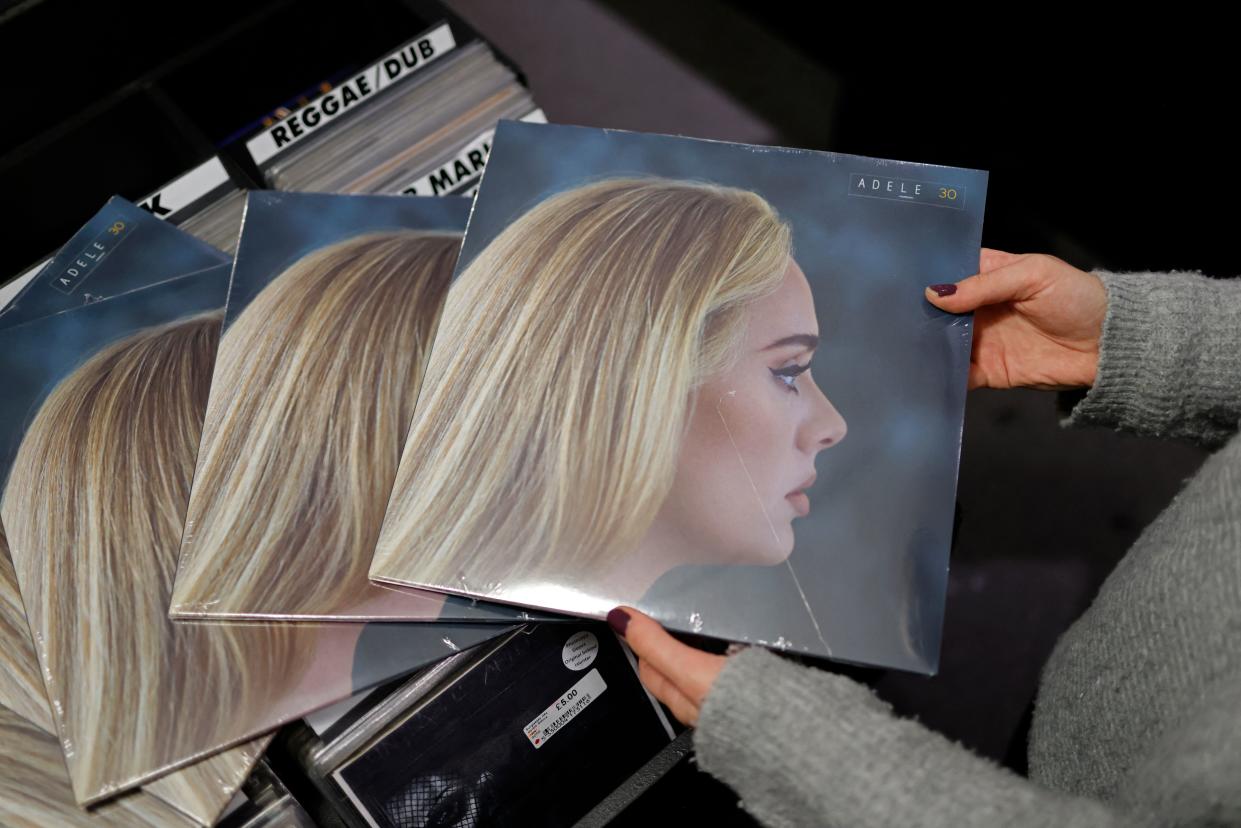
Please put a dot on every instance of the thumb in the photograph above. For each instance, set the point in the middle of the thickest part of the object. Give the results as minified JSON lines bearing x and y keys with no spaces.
{"x":1004,"y":284}
{"x":689,"y":669}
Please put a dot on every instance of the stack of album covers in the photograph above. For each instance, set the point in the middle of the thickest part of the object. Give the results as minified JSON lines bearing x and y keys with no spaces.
{"x":333,"y":303}
{"x":434,"y":123}
{"x":382,"y":460}
{"x":107,"y":357}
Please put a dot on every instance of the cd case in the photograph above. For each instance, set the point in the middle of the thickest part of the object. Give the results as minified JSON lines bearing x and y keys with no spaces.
{"x":620,"y":406}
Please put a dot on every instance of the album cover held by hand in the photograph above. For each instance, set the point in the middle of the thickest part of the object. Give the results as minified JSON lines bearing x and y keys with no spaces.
{"x":701,"y":379}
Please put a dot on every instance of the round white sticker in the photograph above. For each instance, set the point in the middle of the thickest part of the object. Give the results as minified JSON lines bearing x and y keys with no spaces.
{"x":580,"y":650}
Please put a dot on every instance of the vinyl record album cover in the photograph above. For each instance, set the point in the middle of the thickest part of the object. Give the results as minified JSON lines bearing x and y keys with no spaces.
{"x":140,"y":249}
{"x":331,"y":310}
{"x":620,"y":406}
{"x":99,"y":426}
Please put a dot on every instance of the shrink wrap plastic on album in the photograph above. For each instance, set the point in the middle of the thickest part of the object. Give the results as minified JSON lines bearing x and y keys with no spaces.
{"x":701,"y":379}
{"x":331,"y":309}
{"x":99,"y":429}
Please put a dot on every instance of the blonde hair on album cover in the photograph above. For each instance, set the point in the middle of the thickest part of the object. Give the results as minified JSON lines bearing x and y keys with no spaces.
{"x":314,"y":388}
{"x":94,"y":510}
{"x":201,"y":790}
{"x":555,"y":399}
{"x":21,"y":687}
{"x":35,"y":791}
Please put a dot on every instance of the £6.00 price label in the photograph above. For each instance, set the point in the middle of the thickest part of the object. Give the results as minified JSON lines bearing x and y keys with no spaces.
{"x":578,"y":697}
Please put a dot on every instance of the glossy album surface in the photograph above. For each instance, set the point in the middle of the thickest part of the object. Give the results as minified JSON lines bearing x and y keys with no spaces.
{"x":701,"y":379}
{"x":99,"y":427}
{"x":332,"y":305}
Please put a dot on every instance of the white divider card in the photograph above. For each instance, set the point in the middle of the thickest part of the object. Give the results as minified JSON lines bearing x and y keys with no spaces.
{"x":460,"y":174}
{"x":189,"y":190}
{"x":380,"y":75}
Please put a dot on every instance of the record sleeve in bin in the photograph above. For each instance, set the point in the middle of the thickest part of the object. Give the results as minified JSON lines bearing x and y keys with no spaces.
{"x":536,"y":732}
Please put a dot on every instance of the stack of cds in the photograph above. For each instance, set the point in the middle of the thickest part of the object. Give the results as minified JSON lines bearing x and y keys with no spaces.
{"x":399,"y":454}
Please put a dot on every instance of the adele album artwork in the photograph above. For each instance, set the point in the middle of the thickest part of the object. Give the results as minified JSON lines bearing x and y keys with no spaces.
{"x":29,"y":749}
{"x":99,"y":427}
{"x":333,"y":303}
{"x":121,"y":232}
{"x":701,"y":379}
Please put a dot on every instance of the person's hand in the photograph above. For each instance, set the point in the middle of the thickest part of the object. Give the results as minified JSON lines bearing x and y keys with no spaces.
{"x":675,"y":673}
{"x":1037,"y":321}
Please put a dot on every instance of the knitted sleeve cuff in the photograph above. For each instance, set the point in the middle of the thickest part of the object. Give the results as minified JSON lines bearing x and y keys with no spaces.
{"x":767,"y":720}
{"x":1169,"y":358}
{"x":805,"y":747}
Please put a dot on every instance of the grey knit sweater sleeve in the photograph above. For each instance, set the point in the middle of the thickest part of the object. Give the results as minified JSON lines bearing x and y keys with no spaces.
{"x":805,"y":747}
{"x":1170,"y":358}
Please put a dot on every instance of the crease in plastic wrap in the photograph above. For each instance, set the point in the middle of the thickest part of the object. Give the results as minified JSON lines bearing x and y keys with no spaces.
{"x":98,"y":432}
{"x":701,"y":379}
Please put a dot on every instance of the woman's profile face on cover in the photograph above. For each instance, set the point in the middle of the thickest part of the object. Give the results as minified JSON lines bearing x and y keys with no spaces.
{"x":749,"y":450}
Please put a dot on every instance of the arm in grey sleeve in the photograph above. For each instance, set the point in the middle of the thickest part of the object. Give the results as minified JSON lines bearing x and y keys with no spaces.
{"x":805,"y":747}
{"x":1169,"y":358}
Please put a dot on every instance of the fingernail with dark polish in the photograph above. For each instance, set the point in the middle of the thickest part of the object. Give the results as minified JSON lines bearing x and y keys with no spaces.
{"x":618,"y":619}
{"x":944,"y":290}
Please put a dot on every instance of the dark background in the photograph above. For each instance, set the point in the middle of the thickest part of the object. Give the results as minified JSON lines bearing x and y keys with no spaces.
{"x":1109,"y":146}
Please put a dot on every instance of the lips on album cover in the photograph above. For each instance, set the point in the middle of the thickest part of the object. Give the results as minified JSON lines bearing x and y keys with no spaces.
{"x":701,"y":379}
{"x":99,"y":428}
{"x":331,"y":309}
